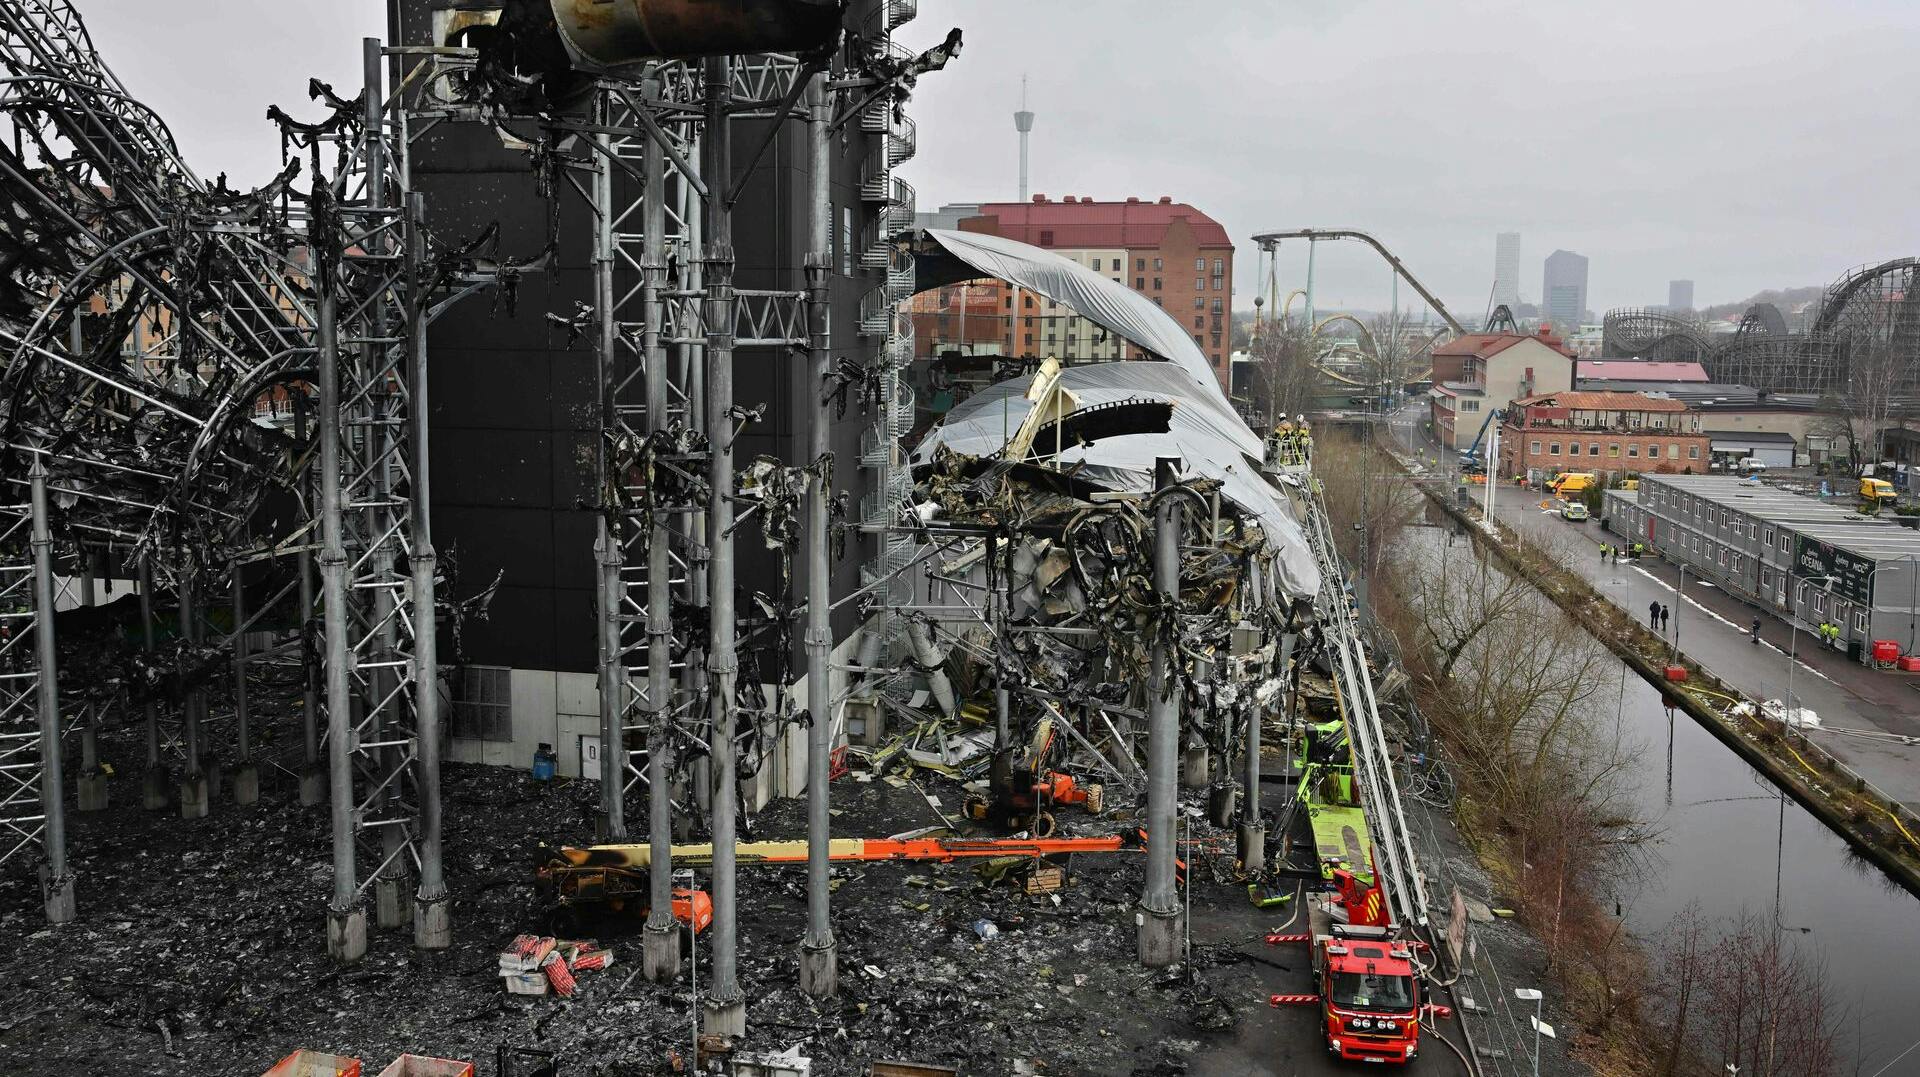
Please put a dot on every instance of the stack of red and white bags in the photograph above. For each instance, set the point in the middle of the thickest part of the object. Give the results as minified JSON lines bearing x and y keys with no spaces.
{"x":539,"y":964}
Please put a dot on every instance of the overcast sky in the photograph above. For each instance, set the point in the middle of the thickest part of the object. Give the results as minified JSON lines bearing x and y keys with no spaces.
{"x":1745,"y":144}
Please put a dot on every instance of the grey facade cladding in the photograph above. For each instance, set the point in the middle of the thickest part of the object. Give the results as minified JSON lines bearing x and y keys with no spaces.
{"x":514,"y":413}
{"x":1774,"y":548}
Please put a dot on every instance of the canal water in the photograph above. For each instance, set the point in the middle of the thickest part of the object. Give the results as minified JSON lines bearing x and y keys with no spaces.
{"x":1724,"y":838}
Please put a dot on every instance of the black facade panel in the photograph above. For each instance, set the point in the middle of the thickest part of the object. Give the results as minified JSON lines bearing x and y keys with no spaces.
{"x":514,"y":408}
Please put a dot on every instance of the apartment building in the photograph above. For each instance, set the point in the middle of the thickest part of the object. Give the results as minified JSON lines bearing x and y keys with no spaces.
{"x":1801,"y":559}
{"x":1481,"y":373}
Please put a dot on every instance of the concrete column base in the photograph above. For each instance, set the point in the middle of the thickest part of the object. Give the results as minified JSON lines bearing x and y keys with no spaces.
{"x":432,"y":922}
{"x":820,"y":969}
{"x":155,"y":794}
{"x":660,"y":952}
{"x":196,"y":796}
{"x":246,"y":785}
{"x":347,"y":934}
{"x":91,"y":791}
{"x":1194,"y":768}
{"x":1220,"y":804}
{"x":57,"y":892}
{"x":392,"y":902}
{"x":1252,"y":847}
{"x":1161,"y":935}
{"x":313,"y":786}
{"x":724,"y":1017}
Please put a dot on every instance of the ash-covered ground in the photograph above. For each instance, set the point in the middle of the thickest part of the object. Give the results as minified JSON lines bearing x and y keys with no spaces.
{"x":200,"y":949}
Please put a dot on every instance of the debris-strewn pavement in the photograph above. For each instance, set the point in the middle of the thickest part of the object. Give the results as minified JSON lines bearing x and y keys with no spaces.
{"x":200,"y":949}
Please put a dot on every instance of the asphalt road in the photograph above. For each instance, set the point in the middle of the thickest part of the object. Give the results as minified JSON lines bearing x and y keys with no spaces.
{"x":1862,"y":711}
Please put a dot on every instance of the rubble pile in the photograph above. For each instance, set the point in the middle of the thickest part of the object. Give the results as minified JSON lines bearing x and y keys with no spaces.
{"x":200,"y":948}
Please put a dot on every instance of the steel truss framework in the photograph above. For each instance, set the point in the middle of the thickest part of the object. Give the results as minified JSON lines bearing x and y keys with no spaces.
{"x":160,"y":313}
{"x":316,"y":294}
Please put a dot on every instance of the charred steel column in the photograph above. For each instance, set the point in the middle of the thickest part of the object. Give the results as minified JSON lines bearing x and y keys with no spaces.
{"x":1253,"y":832}
{"x":56,"y":882}
{"x":246,"y":779}
{"x":196,"y":785}
{"x":313,"y":777}
{"x":1159,"y":919}
{"x":660,"y":940}
{"x":90,"y":791}
{"x":606,"y":544}
{"x":154,"y":795}
{"x":386,"y":702}
{"x":432,"y":914}
{"x":726,"y":1006}
{"x":346,"y":917}
{"x":819,"y":955}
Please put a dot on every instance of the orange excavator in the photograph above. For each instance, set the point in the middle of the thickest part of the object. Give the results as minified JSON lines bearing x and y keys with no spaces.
{"x":1022,"y":792}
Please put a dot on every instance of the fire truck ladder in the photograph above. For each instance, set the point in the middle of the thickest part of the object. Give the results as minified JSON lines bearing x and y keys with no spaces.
{"x":1379,"y":792}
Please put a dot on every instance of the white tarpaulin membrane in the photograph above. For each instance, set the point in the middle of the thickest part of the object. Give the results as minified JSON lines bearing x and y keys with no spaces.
{"x":1114,"y":307}
{"x":1204,"y":432}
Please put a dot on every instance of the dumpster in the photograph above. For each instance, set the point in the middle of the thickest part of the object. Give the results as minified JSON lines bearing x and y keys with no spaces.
{"x":425,"y":1066}
{"x":314,"y":1064}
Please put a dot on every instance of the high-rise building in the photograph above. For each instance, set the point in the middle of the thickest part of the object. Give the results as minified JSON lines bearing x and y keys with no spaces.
{"x":1506,"y":270}
{"x":1169,"y":251}
{"x":1563,"y":292}
{"x":1679,"y":295}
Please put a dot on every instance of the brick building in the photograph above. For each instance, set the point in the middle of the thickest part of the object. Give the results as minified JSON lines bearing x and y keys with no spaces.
{"x":1169,"y":251}
{"x":1481,"y":373}
{"x":1606,"y":433}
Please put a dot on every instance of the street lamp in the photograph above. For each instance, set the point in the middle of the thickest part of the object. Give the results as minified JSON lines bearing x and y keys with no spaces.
{"x":1793,"y":631}
{"x":1533,"y":995}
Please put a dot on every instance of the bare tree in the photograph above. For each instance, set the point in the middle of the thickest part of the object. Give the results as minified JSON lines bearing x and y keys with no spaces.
{"x":1284,"y":377}
{"x":1369,"y":511}
{"x":1869,"y":401}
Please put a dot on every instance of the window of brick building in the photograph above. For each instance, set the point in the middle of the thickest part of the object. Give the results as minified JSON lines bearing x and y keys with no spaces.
{"x":1219,"y":266}
{"x":1593,"y":448}
{"x":1199,"y":321}
{"x":1199,"y":284}
{"x":1535,"y":449}
{"x":1156,"y":284}
{"x":1140,"y":283}
{"x":1219,"y":284}
{"x":1553,"y":448}
{"x":1613,"y":450}
{"x":1653,"y":452}
{"x":1693,"y":452}
{"x":1673,"y":452}
{"x":1139,"y":263}
{"x":1158,"y":265}
{"x":1199,"y":265}
{"x":1199,"y":302}
{"x":1633,"y":452}
{"x":1217,"y":305}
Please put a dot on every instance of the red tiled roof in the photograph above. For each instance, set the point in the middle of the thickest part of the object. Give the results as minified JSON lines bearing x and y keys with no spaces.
{"x":1085,"y":223}
{"x":1585,"y":401}
{"x":1487,"y":345}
